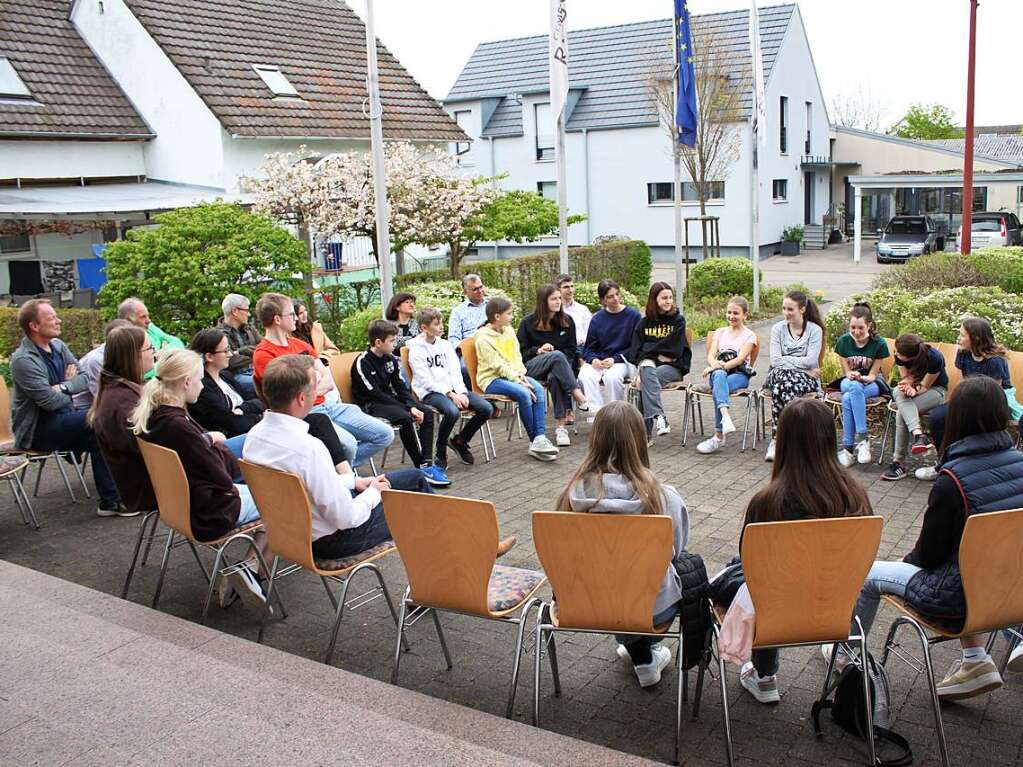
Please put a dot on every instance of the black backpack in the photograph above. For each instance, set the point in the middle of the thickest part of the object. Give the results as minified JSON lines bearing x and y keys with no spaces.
{"x":849,"y":711}
{"x":694,"y":612}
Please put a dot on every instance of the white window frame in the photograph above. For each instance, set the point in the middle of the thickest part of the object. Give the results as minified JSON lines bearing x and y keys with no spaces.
{"x":538,"y":150}
{"x":785,"y":190}
{"x":541,"y":185}
{"x":783,"y":125}
{"x":11,"y":84}
{"x":462,"y":148}
{"x":274,"y":79}
{"x":10,"y":251}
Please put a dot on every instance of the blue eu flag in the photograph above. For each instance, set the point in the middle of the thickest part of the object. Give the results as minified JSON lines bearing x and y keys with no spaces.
{"x":685,"y":103}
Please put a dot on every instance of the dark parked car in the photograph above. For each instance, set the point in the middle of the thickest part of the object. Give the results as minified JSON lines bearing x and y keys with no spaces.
{"x":992,"y":229}
{"x":907,"y":236}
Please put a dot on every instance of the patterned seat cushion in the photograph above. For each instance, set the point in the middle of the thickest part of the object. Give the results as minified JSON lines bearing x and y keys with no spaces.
{"x":11,"y":463}
{"x":701,"y":388}
{"x":509,"y":586}
{"x":346,"y":563}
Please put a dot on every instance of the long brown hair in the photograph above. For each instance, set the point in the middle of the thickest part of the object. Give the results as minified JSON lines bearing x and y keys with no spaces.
{"x":861,"y":311}
{"x":303,"y":330}
{"x":806,"y":471}
{"x":982,"y":338}
{"x":392,"y":306}
{"x":912,"y":348}
{"x":496,"y":306}
{"x":122,"y":361}
{"x":543,"y":315}
{"x":976,"y":406}
{"x":618,"y":445}
{"x":652,"y":311}
{"x":811,"y":313}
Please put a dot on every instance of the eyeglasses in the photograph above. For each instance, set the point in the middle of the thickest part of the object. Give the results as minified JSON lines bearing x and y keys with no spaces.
{"x":476,"y":289}
{"x":221,"y":351}
{"x":289,"y":314}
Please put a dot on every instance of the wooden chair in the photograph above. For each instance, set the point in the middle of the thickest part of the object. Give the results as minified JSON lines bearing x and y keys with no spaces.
{"x":833,"y":397}
{"x":170,"y":486}
{"x":11,"y":469}
{"x":605,"y":571}
{"x":37,"y":457}
{"x":697,"y":392}
{"x":449,"y":549}
{"x":764,"y":395}
{"x":287,"y":516}
{"x":991,"y":566}
{"x":1016,"y":376}
{"x":804,"y":579}
{"x":467,"y":348}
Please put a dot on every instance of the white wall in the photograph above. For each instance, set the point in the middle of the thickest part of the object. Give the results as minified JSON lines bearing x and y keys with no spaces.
{"x":51,"y":247}
{"x":188,"y":147}
{"x":71,"y":159}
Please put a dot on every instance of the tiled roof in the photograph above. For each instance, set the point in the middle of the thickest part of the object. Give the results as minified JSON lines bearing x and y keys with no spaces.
{"x":999,"y":146}
{"x":319,"y":45}
{"x":72,"y":93}
{"x":612,"y":66}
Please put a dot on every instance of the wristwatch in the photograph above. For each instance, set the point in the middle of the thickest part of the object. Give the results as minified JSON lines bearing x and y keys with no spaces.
{"x":63,"y":389}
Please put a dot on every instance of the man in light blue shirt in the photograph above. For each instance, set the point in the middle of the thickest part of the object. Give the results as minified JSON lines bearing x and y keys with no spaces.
{"x":468,"y":316}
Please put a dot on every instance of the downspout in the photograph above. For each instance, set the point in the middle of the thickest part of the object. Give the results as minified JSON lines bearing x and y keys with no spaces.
{"x":493,"y":182}
{"x":586,"y":181}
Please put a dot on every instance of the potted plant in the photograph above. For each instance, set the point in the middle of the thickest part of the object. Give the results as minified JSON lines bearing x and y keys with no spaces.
{"x":791,"y":236}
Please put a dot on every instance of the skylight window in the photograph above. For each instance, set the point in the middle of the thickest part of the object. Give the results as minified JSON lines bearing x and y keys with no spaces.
{"x":11,"y":85}
{"x":275,"y":80}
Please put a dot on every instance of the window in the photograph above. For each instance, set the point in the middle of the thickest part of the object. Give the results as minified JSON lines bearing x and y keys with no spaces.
{"x":275,"y":80}
{"x":464,"y":119}
{"x":547,"y":189}
{"x":11,"y":85}
{"x":543,"y":127}
{"x":1019,"y":195}
{"x":663,"y":192}
{"x":660,"y":192}
{"x":783,"y":119}
{"x":809,"y":122}
{"x":780,"y":188}
{"x":15,"y":243}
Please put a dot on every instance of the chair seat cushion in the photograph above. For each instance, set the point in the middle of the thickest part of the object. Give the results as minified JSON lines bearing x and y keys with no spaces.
{"x":11,"y":463}
{"x":700,"y":388}
{"x":347,"y":563}
{"x":836,"y":397}
{"x":510,"y":585}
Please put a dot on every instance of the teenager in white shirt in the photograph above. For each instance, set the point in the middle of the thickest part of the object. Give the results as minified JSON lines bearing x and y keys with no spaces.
{"x":580,"y":313}
{"x":437,"y":381}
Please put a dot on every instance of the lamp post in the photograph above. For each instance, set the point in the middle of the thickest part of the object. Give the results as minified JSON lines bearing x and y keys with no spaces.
{"x":376,"y":135}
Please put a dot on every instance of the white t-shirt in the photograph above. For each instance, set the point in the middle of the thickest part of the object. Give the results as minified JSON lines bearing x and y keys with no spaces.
{"x":727,"y":339}
{"x":581,"y":316}
{"x":235,"y":397}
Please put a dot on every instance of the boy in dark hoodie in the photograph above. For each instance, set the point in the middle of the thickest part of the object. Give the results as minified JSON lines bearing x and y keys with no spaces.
{"x":661,"y":351}
{"x":379,"y":390}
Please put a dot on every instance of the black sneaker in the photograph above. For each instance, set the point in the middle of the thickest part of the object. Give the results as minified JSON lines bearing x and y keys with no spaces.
{"x":921,"y":444}
{"x":459,"y":446}
{"x":895,"y":472}
{"x":115,"y":509}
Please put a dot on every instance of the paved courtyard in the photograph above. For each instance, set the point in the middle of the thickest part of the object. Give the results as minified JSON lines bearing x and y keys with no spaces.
{"x":601,"y":702}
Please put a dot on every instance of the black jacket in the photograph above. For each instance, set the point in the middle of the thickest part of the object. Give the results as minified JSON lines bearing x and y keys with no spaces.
{"x":377,"y":380}
{"x":213,"y":410}
{"x":562,"y":338}
{"x":664,"y":336}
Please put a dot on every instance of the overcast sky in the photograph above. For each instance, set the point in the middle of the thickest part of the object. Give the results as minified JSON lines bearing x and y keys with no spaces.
{"x":898,"y":52}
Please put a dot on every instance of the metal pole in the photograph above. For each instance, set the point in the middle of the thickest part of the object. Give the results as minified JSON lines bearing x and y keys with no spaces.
{"x":858,"y":222}
{"x":559,"y":149}
{"x":964,"y":245}
{"x":754,"y":222}
{"x":376,"y":134}
{"x":676,"y":192}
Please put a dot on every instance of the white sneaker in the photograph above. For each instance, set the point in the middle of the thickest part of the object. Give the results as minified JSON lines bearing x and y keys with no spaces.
{"x":710,"y":445}
{"x":926,"y":473}
{"x":1015,"y":663}
{"x":863,"y":451}
{"x":538,"y":450}
{"x":247,"y":586}
{"x":623,"y":653}
{"x":561,"y":438}
{"x":846,"y":458}
{"x":547,"y":445}
{"x":841,"y":661}
{"x":727,"y":426}
{"x":763,"y":688}
{"x":662,"y":426}
{"x":769,"y":455}
{"x":649,"y":674}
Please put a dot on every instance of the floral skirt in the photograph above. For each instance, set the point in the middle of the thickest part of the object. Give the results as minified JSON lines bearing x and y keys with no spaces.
{"x":785,"y":385}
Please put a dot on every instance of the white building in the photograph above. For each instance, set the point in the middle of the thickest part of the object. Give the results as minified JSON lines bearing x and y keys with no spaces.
{"x":619,"y":156}
{"x":111,"y":110}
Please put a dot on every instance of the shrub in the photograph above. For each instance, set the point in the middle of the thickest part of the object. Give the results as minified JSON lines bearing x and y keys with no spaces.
{"x":1000,"y":266}
{"x":937,"y":316}
{"x":721,"y":277}
{"x":586,"y":294}
{"x":932,"y":272}
{"x":5,"y":370}
{"x":80,"y":329}
{"x":888,"y":305}
{"x":831,"y":369}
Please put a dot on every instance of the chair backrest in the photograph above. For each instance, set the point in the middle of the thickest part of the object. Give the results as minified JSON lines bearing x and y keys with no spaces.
{"x":468,"y":349}
{"x":170,"y":485}
{"x":6,"y":427}
{"x":285,"y":511}
{"x":605,"y":569}
{"x":448,"y":546}
{"x":1015,"y":360}
{"x":991,"y":564}
{"x":955,"y":375}
{"x":689,"y":337}
{"x":804,"y":577}
{"x":752,"y":355}
{"x":403,"y":351}
{"x":83,"y":298}
{"x":341,"y":370}
{"x":824,"y":348}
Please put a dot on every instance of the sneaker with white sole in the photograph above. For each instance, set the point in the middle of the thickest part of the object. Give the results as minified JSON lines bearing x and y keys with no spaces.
{"x":727,"y":425}
{"x":769,"y":455}
{"x":1015,"y":663}
{"x":926,"y":473}
{"x":841,"y":661}
{"x":623,"y":652}
{"x":116,"y":510}
{"x":539,"y":451}
{"x":561,"y":438}
{"x":649,"y":674}
{"x":661,"y":426}
{"x":546,"y":445}
{"x":863,"y":451}
{"x":435,"y":475}
{"x":246,"y":585}
{"x":967,"y":679}
{"x":846,"y":457}
{"x":763,"y":688}
{"x":712,"y":444}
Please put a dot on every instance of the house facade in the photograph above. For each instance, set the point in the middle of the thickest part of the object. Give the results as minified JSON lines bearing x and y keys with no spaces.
{"x":113,"y":110}
{"x":619,"y":154}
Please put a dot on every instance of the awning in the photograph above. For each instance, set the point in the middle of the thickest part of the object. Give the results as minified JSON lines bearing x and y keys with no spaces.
{"x":107,"y":199}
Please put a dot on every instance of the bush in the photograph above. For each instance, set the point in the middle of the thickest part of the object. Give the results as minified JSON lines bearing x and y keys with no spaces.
{"x":80,"y":329}
{"x":1000,"y":266}
{"x":932,"y":272}
{"x":720,"y":277}
{"x":937,"y":316}
{"x":888,"y":305}
{"x":831,"y":369}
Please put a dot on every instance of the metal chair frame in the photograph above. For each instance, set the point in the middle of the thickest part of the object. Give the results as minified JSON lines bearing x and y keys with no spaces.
{"x":693,"y":410}
{"x":13,"y":478}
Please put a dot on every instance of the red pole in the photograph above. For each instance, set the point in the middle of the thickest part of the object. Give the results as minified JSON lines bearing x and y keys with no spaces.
{"x":964,"y":245}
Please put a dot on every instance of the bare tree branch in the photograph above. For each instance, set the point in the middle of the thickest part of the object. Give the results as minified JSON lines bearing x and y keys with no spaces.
{"x":859,"y":109}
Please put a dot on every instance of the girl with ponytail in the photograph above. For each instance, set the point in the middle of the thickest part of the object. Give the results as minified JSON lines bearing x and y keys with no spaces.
{"x":860,"y":351}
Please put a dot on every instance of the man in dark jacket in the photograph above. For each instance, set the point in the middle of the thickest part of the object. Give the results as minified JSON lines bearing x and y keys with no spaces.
{"x":242,"y":338}
{"x":379,"y":389}
{"x":45,"y":375}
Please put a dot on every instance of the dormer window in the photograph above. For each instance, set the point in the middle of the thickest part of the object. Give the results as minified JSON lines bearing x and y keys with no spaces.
{"x":276,"y":81}
{"x":11,"y":85}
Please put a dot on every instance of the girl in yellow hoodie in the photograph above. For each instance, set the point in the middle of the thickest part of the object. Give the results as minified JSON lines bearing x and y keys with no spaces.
{"x":500,"y":370}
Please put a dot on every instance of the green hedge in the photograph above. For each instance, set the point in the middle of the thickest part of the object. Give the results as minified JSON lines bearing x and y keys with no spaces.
{"x":80,"y":329}
{"x":720,"y":278}
{"x":994,"y":267}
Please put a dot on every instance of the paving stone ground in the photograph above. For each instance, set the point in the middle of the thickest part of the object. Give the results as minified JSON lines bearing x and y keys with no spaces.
{"x":601,"y":702}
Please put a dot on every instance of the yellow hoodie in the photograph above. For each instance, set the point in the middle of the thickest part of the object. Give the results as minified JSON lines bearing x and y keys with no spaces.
{"x":498,"y":356}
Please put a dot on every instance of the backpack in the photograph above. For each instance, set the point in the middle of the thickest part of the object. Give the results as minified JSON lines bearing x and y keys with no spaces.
{"x":849,"y":711}
{"x":694,"y":611}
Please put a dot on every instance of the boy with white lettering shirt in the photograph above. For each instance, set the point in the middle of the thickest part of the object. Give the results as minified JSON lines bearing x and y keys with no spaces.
{"x":437,"y":381}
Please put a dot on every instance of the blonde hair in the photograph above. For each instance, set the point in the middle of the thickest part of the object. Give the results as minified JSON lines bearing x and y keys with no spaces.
{"x":618,"y":445}
{"x":164,"y":388}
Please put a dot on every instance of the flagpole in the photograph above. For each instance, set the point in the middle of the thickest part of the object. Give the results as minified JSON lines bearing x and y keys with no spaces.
{"x":559,"y":151}
{"x":376,"y":134}
{"x":757,"y":110}
{"x":676,"y":159}
{"x":558,"y":49}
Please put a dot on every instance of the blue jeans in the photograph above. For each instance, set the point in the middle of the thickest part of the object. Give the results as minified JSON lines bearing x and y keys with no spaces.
{"x":361,"y":435}
{"x":249,"y":512}
{"x":235,"y":445}
{"x":722,"y":384}
{"x":883,"y":578}
{"x":245,"y":384}
{"x":450,"y":415}
{"x":854,"y":408}
{"x":531,"y":412}
{"x":67,"y":430}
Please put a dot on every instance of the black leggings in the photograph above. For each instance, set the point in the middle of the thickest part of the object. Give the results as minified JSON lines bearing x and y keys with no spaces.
{"x":321,"y":427}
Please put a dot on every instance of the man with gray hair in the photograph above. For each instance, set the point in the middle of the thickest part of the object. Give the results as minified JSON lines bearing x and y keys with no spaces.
{"x":133,"y":310}
{"x":242,"y":338}
{"x":466,"y":318}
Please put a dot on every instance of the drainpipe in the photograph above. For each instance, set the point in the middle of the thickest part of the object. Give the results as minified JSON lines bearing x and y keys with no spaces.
{"x":586,"y":181}
{"x":493,"y":175}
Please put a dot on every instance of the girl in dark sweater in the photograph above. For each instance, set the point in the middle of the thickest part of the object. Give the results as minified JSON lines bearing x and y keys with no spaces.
{"x":661,"y":351}
{"x":550,"y":350}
